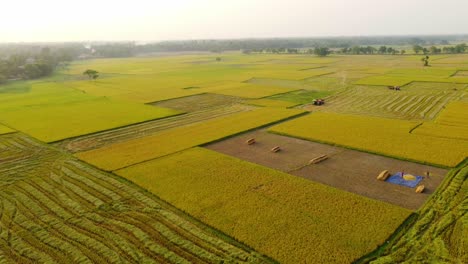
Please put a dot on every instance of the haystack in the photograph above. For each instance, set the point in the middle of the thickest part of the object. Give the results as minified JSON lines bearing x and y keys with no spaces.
{"x":420,"y":189}
{"x":275,"y":149}
{"x":318,"y":159}
{"x":383,"y":175}
{"x":250,"y":141}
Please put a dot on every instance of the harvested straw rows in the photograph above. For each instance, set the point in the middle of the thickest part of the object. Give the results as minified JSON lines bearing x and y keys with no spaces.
{"x":415,"y":101}
{"x":104,"y":138}
{"x":54,"y":209}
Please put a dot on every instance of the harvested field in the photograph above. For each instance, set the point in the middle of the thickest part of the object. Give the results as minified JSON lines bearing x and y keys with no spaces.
{"x":101,"y":139}
{"x":345,"y":169}
{"x":414,"y":101}
{"x":199,"y":102}
{"x":289,"y":218}
{"x":55,"y":209}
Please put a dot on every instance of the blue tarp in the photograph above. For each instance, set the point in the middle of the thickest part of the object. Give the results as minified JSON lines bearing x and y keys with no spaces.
{"x":397,"y":179}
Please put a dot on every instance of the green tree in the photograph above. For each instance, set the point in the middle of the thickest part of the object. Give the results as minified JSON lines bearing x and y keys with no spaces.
{"x":417,"y":49}
{"x":383,"y":49}
{"x":92,"y":74}
{"x":321,"y":51}
{"x":425,"y":60}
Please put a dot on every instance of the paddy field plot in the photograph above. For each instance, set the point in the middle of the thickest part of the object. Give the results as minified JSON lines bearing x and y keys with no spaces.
{"x":200,"y":102}
{"x":288,"y":218}
{"x":270,"y":103}
{"x":248,"y":90}
{"x":108,"y":137}
{"x":59,"y":121}
{"x":5,"y":129}
{"x":418,"y":100}
{"x":389,"y":137}
{"x":452,"y":122}
{"x":55,"y":209}
{"x":119,"y":155}
{"x":345,"y":169}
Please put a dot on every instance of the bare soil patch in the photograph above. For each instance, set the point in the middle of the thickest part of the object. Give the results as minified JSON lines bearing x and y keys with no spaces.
{"x":345,"y":169}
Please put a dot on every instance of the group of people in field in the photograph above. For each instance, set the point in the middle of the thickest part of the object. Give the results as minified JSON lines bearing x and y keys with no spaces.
{"x":397,"y":88}
{"x":402,"y":173}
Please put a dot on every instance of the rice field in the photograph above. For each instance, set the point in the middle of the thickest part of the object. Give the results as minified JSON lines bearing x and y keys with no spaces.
{"x":5,"y":129}
{"x":289,"y":218}
{"x":389,"y":137}
{"x":418,"y":100}
{"x":119,"y":155}
{"x":452,"y":122}
{"x":146,"y":119}
{"x":55,"y":209}
{"x":440,"y":232}
{"x":104,"y":138}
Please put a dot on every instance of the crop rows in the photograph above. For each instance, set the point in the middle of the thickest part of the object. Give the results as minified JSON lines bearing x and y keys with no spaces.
{"x":104,"y":138}
{"x":414,"y":102}
{"x":272,"y":211}
{"x":59,"y":210}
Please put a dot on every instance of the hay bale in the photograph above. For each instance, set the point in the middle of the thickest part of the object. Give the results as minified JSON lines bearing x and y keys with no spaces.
{"x":250,"y":141}
{"x":383,"y":175}
{"x":275,"y":149}
{"x":420,"y":189}
{"x":409,"y":177}
{"x":318,"y":159}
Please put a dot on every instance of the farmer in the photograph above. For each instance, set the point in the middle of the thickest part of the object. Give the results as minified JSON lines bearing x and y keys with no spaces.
{"x":427,"y":174}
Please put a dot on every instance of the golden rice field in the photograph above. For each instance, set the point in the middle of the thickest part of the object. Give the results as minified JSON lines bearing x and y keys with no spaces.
{"x":5,"y":129}
{"x":133,"y":151}
{"x":146,"y":120}
{"x":452,"y":122}
{"x":378,"y":135}
{"x":289,"y":218}
{"x":55,"y":209}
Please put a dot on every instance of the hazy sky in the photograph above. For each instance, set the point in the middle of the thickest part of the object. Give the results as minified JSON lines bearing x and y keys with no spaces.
{"x":70,"y":20}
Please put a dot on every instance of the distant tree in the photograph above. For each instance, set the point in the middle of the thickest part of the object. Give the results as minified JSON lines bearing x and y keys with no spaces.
{"x":218,"y":58}
{"x":390,"y":50}
{"x":425,"y":51}
{"x":92,"y":74}
{"x":460,"y":48}
{"x":434,"y":50}
{"x":417,"y":49}
{"x":425,"y":60}
{"x":402,"y":52}
{"x":321,"y":51}
{"x":383,"y":49}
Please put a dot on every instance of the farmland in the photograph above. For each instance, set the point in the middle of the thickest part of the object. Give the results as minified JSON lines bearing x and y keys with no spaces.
{"x":150,"y":161}
{"x":133,"y":151}
{"x":257,"y":205}
{"x":378,"y":135}
{"x":56,"y":209}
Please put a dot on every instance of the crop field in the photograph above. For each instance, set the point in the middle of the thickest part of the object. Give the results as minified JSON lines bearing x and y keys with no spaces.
{"x":248,"y":90}
{"x":452,"y":122}
{"x":258,"y":205}
{"x":167,"y":124}
{"x":119,"y":155}
{"x":345,"y":169}
{"x":199,"y":102}
{"x":270,"y":103}
{"x":440,"y":232}
{"x":100,"y":139}
{"x":417,"y":100}
{"x":55,"y":209}
{"x":378,"y":135}
{"x":5,"y":129}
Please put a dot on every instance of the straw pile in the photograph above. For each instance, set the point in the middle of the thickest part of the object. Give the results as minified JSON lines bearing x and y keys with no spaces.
{"x":318,"y":159}
{"x":383,"y":175}
{"x":250,"y":141}
{"x":420,"y":189}
{"x":275,"y":149}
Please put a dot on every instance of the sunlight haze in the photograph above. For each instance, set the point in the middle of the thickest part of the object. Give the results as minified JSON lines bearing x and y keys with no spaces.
{"x":145,"y":20}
